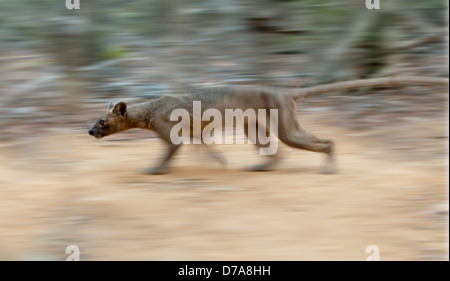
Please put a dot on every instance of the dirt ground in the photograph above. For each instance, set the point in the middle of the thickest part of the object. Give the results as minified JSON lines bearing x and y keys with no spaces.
{"x":65,"y":188}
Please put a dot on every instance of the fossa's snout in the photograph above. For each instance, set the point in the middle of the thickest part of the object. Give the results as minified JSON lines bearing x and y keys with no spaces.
{"x":91,"y":132}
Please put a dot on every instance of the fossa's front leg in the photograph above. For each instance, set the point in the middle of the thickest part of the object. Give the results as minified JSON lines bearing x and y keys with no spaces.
{"x":163,"y":165}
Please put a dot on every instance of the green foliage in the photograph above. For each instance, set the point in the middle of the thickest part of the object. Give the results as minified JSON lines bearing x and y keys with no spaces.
{"x":113,"y":52}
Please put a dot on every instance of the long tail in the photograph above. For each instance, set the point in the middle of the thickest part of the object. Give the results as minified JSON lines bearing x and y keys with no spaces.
{"x":385,"y":81}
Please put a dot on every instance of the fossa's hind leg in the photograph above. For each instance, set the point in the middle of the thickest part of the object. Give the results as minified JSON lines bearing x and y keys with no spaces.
{"x":294,"y":135}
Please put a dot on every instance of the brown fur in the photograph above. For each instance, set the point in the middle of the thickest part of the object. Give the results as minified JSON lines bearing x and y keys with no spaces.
{"x":155,"y":115}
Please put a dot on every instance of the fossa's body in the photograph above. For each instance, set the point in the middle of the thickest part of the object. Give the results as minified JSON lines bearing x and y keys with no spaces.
{"x":155,"y":115}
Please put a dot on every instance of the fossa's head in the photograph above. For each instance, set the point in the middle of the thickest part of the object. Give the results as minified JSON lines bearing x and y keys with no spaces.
{"x":114,"y":120}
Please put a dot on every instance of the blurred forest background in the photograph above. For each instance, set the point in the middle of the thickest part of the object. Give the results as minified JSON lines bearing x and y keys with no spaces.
{"x":58,"y":186}
{"x":53,"y":60}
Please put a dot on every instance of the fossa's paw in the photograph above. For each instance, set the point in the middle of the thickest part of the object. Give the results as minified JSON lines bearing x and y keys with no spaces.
{"x":328,"y":170}
{"x":260,"y":168}
{"x":155,"y":171}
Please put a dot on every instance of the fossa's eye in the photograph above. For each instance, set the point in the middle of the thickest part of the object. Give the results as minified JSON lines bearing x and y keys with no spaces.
{"x":102,"y":123}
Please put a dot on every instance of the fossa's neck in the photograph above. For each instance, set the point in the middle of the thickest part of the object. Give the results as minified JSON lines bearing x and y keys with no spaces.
{"x":140,"y":115}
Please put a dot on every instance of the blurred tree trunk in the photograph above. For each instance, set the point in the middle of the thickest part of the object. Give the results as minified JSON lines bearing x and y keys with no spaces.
{"x":374,"y":45}
{"x":76,"y":40}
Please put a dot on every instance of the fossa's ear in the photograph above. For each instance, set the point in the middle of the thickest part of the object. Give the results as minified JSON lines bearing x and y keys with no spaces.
{"x":120,"y":108}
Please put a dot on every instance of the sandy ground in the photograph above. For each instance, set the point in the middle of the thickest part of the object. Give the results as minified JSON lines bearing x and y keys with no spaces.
{"x":65,"y":188}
